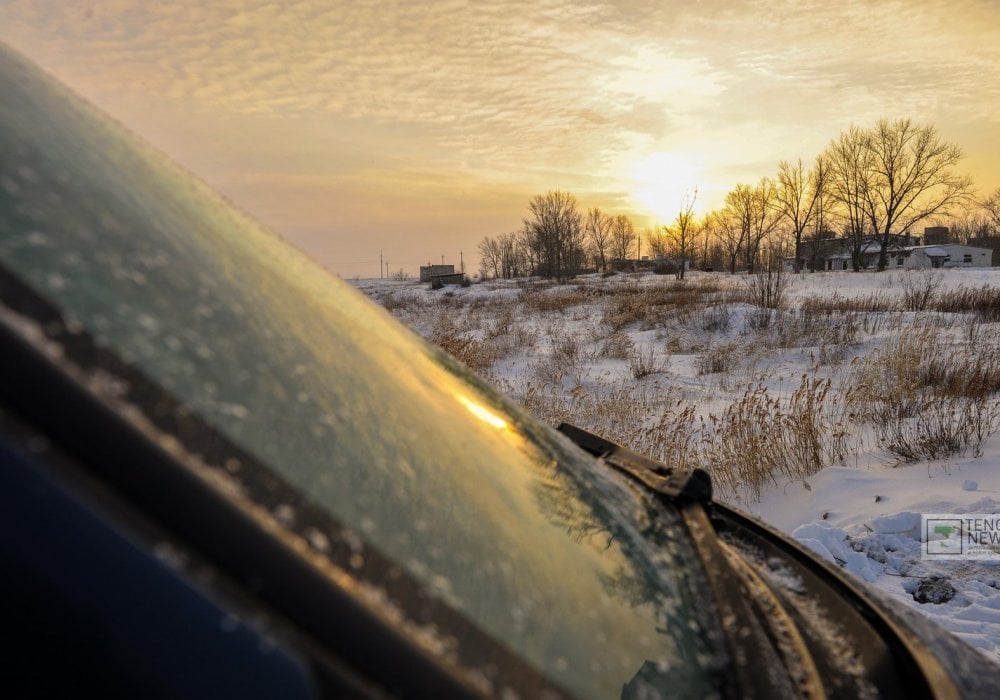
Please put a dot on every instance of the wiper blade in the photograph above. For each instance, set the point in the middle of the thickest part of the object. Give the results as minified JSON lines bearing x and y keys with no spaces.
{"x":753,"y":655}
{"x":676,"y":484}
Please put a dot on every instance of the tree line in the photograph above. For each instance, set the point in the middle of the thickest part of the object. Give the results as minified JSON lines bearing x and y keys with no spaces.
{"x":868,"y":185}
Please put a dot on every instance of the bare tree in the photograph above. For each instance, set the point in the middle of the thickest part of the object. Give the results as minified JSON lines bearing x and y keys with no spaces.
{"x":728,"y":230}
{"x":598,"y":230}
{"x":850,"y":181}
{"x":738,"y":217}
{"x":658,"y":243}
{"x":683,"y":230}
{"x":913,"y":178}
{"x":555,"y":233}
{"x":709,"y":253}
{"x":764,"y":219}
{"x":503,"y":257}
{"x":797,"y":195}
{"x":822,"y":218}
{"x":512,"y":258}
{"x":622,"y":238}
{"x":489,"y":257}
{"x":526,"y":244}
{"x":991,"y":205}
{"x":967,"y":225}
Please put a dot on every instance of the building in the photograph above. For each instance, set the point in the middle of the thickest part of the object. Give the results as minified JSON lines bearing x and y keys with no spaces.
{"x":836,"y":253}
{"x":991,"y":242}
{"x":429,"y":272}
{"x":904,"y":257}
{"x":940,"y":256}
{"x":936,"y":235}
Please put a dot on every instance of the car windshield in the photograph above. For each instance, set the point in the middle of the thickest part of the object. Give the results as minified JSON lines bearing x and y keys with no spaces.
{"x":522,"y":535}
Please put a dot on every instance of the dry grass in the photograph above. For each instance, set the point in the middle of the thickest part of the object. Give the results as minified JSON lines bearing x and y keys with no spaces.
{"x":754,"y":442}
{"x":617,"y":346}
{"x":553,"y":299}
{"x":720,"y":359}
{"x":926,"y":396}
{"x":918,"y":288}
{"x":643,"y":362}
{"x":626,"y":414}
{"x":875,"y":302}
{"x":766,"y":289}
{"x":761,"y":438}
{"x":654,"y":306}
{"x":984,"y":302}
{"x":927,"y":389}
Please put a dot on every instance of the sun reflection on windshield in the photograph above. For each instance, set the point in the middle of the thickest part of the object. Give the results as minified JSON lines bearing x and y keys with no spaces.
{"x":481,"y":412}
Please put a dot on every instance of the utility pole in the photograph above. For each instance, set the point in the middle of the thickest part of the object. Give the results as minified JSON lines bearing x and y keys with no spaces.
{"x":461,"y":259}
{"x":442,"y":260}
{"x":380,"y":264}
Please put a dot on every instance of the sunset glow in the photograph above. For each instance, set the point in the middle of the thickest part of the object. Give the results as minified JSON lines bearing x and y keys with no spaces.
{"x":662,"y":182}
{"x":415,"y":129}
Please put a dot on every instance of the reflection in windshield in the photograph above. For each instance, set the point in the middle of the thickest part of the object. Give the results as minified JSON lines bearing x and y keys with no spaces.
{"x":481,"y":412}
{"x":495,"y":516}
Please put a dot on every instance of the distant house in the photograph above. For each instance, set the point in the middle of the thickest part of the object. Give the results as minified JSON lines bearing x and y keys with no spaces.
{"x":837,"y":255}
{"x":619,"y":265}
{"x":429,"y":272}
{"x":941,"y":256}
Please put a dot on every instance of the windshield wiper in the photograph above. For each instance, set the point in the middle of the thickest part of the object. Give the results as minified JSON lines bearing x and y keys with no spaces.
{"x":753,"y":652}
{"x":754,"y":609}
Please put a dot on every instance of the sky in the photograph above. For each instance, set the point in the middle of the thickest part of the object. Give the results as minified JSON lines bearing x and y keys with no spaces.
{"x":387,"y":134}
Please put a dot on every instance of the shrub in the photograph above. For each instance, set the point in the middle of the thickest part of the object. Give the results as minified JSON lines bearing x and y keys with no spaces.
{"x":643,"y":363}
{"x":617,"y":346}
{"x":761,"y":319}
{"x":766,"y":289}
{"x":717,"y":318}
{"x":720,"y":359}
{"x":919,"y":287}
{"x":940,"y":428}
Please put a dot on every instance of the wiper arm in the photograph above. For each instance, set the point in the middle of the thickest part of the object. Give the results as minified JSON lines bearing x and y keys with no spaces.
{"x":676,"y":484}
{"x":753,"y":654}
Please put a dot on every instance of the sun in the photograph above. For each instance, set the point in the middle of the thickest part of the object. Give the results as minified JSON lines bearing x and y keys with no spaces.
{"x":661,"y":183}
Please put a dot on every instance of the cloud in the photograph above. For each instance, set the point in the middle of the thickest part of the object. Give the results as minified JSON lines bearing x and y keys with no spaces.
{"x":505,"y":81}
{"x":537,"y":93}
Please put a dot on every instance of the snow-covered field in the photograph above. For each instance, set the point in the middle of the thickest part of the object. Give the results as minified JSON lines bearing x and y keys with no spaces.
{"x":860,"y":403}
